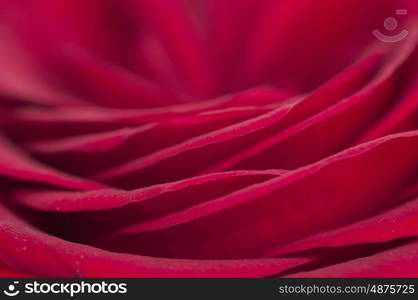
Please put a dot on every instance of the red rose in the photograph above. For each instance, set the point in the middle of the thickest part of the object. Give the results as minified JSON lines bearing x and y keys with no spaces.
{"x":209,"y":138}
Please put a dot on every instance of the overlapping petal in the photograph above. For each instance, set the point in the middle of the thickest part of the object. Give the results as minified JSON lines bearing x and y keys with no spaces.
{"x":235,"y":138}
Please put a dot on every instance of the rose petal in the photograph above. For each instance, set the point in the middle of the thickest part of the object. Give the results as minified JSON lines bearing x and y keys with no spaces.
{"x":396,"y":223}
{"x":15,"y":164}
{"x":398,"y":262}
{"x":249,"y":131}
{"x":52,"y":257}
{"x":335,"y":191}
{"x":110,"y":198}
